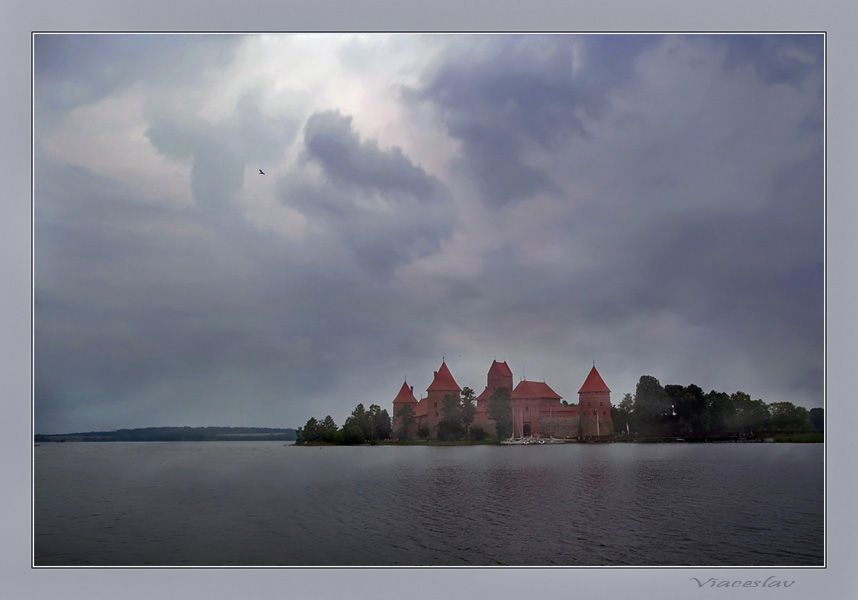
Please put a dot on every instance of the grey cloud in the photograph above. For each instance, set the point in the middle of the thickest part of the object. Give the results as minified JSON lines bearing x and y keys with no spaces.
{"x":217,"y":174}
{"x":148,"y":315}
{"x":386,"y":210}
{"x":220,"y":151}
{"x":788,"y":58}
{"x":330,"y":139}
{"x":71,"y":70}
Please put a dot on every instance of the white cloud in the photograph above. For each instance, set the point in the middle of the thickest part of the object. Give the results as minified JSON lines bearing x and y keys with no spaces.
{"x":109,"y":139}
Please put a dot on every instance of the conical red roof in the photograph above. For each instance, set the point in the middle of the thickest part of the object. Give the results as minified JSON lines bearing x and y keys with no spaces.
{"x":405,"y":395}
{"x":443,"y":381}
{"x":594,"y":383}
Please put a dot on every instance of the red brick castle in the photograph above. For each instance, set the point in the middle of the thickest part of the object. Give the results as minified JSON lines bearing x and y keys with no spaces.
{"x":536,"y":409}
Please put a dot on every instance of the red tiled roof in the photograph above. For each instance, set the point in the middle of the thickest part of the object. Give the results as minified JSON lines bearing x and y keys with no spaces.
{"x":405,"y":395}
{"x":500,"y":369}
{"x":422,"y":408}
{"x":487,"y":393}
{"x":594,"y":382}
{"x":443,"y":381}
{"x":534,"y":389}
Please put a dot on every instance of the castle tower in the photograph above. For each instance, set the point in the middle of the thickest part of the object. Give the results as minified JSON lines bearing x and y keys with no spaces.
{"x":499,"y":376}
{"x":442,"y":385}
{"x":594,"y":406}
{"x":405,"y":397}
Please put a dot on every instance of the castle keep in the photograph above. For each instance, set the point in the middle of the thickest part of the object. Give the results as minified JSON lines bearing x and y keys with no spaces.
{"x":536,"y":409}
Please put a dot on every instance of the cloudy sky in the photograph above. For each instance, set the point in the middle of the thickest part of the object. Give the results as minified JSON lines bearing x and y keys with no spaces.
{"x":653,"y":203}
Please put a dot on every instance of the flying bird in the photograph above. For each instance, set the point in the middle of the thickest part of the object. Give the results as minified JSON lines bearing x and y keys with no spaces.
{"x":261,"y":172}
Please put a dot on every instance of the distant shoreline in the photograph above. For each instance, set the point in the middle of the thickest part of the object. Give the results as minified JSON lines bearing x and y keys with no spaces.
{"x":175,"y":434}
{"x":264,"y":434}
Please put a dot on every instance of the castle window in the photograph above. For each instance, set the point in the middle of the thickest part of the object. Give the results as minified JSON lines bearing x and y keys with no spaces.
{"x":526,"y":409}
{"x":436,"y":405}
{"x":589,"y":403}
{"x":436,"y":414}
{"x":594,"y":412}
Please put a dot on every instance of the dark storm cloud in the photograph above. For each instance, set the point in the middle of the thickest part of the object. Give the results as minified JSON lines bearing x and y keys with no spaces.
{"x":515,"y":92}
{"x":331,"y":140}
{"x":385,"y":209}
{"x":701,"y":256}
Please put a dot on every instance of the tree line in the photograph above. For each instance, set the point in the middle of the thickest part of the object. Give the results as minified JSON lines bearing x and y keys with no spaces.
{"x":374,"y":424}
{"x":653,"y":410}
{"x":361,"y":426}
{"x":674,"y":410}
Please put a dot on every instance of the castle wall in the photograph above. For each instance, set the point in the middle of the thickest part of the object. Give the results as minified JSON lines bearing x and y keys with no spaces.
{"x":435,"y":407}
{"x":565,"y":427}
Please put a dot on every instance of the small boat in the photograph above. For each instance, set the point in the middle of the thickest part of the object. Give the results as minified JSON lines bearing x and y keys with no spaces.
{"x":514,"y":442}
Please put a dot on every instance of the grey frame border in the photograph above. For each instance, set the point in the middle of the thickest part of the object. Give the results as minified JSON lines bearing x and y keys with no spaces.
{"x":20,"y":18}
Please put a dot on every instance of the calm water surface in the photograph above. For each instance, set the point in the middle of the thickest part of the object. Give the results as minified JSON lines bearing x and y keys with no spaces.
{"x":264,"y":503}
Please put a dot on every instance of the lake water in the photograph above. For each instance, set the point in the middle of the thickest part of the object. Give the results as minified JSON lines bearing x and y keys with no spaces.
{"x":266,"y":503}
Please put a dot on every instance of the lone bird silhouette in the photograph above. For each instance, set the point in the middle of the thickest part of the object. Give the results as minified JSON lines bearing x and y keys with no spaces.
{"x":261,"y":172}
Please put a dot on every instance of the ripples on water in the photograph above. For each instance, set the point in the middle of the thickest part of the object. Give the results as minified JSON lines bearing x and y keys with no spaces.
{"x":248,"y":503}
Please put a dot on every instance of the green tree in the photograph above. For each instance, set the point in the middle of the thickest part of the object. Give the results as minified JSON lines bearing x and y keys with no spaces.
{"x":450,"y":426}
{"x":469,"y":409}
{"x":688,"y":409}
{"x":328,"y":429}
{"x":817,"y":418}
{"x":621,"y":414}
{"x":374,"y":418}
{"x":406,"y":420}
{"x":383,"y":426}
{"x":652,"y":407}
{"x":352,"y":434}
{"x":361,"y":419}
{"x":788,"y":417}
{"x":748,"y":415}
{"x":310,"y":432}
{"x":721,"y":413}
{"x":693,"y":407}
{"x":478,"y":433}
{"x":500,"y":412}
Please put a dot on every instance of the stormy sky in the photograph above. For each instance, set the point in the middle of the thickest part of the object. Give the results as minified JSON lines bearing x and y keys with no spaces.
{"x":653,"y":203}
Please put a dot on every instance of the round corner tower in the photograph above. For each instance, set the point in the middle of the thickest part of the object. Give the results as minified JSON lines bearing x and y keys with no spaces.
{"x":404,"y":398}
{"x":594,"y":406}
{"x":442,"y":385}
